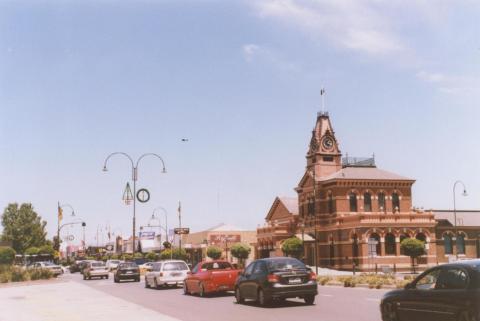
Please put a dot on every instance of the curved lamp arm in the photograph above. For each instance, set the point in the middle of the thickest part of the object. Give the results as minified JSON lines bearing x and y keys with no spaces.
{"x":152,"y":154}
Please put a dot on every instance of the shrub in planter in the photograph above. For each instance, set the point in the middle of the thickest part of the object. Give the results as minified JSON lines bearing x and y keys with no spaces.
{"x":323,"y":280}
{"x":5,"y":276}
{"x":18,"y":274}
{"x":214,"y":252}
{"x":241,"y":252}
{"x":293,"y":247}
{"x":40,"y":274}
{"x":151,"y":256}
{"x":7,"y":255}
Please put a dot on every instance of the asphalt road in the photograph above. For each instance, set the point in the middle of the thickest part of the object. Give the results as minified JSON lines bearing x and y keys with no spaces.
{"x":332,"y":303}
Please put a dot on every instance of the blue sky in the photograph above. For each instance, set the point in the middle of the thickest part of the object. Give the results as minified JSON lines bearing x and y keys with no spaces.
{"x":241,"y":81}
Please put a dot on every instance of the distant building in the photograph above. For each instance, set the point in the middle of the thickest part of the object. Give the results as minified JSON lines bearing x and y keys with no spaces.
{"x":357,"y":214}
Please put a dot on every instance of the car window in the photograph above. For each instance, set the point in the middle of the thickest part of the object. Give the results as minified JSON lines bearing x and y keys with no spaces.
{"x":175,"y":266}
{"x":452,"y":279}
{"x":260,"y":268}
{"x":97,"y":264}
{"x":428,"y":281}
{"x":249,"y":268}
{"x":196,"y":268}
{"x":157,"y":267}
{"x":285,"y":264}
{"x":217,"y":266}
{"x":128,"y":265}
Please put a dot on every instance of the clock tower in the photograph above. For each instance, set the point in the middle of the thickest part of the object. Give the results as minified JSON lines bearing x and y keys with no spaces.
{"x":323,"y":155}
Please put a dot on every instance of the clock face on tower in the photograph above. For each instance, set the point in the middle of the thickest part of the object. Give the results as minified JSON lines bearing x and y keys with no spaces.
{"x":327,"y":143}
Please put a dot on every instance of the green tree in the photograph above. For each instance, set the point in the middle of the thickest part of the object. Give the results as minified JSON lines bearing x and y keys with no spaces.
{"x":214,"y":252}
{"x":32,"y":250}
{"x":151,"y":256}
{"x":138,"y":255}
{"x":293,"y":247}
{"x":23,"y":227}
{"x":413,"y":248}
{"x":175,"y":254}
{"x":7,"y":255}
{"x":46,"y":249}
{"x":167,"y":245}
{"x":241,"y":252}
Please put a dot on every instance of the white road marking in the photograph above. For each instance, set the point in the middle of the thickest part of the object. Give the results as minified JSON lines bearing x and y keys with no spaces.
{"x":327,"y":295}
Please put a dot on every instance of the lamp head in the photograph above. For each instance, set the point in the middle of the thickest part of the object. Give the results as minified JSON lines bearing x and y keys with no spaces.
{"x":105,"y":168}
{"x":464,"y":192}
{"x":73,"y":213}
{"x":164,"y":171}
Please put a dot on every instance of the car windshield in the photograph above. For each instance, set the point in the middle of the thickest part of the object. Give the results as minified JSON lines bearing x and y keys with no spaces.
{"x":175,"y":266}
{"x":285,"y":264}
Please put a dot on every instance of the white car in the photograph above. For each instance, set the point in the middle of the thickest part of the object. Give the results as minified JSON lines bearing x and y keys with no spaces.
{"x":146,"y":267}
{"x":95,"y":270}
{"x":166,"y":273}
{"x":56,"y":269}
{"x":113,"y":264}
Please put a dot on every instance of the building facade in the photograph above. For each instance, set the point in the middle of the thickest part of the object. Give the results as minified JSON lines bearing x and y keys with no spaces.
{"x":352,"y":214}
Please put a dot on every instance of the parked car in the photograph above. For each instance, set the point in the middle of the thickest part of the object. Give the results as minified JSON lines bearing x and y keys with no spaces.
{"x":145,"y":267}
{"x":84,"y":264}
{"x":127,"y":271}
{"x":446,"y":292}
{"x":278,"y":278}
{"x":210,"y":277}
{"x":112,"y":264}
{"x":75,"y":267}
{"x":166,"y":273}
{"x":56,"y":269}
{"x":95,"y":270}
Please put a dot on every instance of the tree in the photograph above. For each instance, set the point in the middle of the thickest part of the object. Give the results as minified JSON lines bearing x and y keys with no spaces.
{"x":46,"y":249}
{"x":167,"y":245}
{"x":241,"y":252}
{"x":293,"y":247}
{"x":175,"y":254}
{"x":23,"y":227}
{"x":151,"y":256}
{"x":214,"y":252}
{"x":7,"y":255}
{"x":413,"y":248}
{"x":32,"y":250}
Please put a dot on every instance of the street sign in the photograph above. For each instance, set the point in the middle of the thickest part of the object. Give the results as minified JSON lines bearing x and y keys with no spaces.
{"x":143,"y":195}
{"x":109,"y":247}
{"x":182,"y":230}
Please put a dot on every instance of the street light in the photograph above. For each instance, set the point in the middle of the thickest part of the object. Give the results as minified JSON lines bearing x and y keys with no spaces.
{"x":313,"y":175}
{"x":455,"y":213}
{"x":59,"y":217}
{"x":134,"y":178}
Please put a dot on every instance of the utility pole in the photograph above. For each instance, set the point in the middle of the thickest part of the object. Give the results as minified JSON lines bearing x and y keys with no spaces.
{"x":180,"y":224}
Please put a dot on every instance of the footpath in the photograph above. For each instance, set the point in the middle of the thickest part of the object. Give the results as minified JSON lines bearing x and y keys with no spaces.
{"x":69,"y":301}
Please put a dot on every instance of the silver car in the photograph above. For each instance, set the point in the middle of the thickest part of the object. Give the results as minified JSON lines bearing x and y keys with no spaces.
{"x":166,"y":273}
{"x":54,"y":268}
{"x":95,"y":270}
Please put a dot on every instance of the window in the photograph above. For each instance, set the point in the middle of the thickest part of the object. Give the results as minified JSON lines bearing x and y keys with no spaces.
{"x":331,"y":204}
{"x":353,"y":202}
{"x":311,"y":206}
{"x":447,"y":244}
{"x":249,"y":269}
{"x":260,"y":268}
{"x":381,"y":202}
{"x":461,"y":244}
{"x":428,"y":281}
{"x":328,"y":159}
{"x":421,"y":237}
{"x":452,"y":279}
{"x":378,"y":247}
{"x":367,"y":202}
{"x":390,"y":244}
{"x":176,"y":266}
{"x":395,"y":203}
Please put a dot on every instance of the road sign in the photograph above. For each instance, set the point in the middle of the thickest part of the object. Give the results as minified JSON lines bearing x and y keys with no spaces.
{"x":109,"y":247}
{"x":143,"y":195}
{"x":182,"y":230}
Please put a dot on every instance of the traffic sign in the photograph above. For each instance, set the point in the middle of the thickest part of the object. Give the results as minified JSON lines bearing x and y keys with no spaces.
{"x":182,"y":230}
{"x":143,"y":195}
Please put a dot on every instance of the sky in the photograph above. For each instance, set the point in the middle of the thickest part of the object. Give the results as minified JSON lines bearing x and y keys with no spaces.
{"x":241,"y":81}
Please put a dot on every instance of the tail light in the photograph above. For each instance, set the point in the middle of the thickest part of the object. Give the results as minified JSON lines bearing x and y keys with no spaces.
{"x":161,"y":274}
{"x":313,"y":276}
{"x":272,"y":278}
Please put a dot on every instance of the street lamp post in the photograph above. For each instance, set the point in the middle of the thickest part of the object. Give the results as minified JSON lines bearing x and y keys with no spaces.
{"x":315,"y":252}
{"x":455,"y":214}
{"x":59,"y":218}
{"x":166,"y":220}
{"x":134,"y":178}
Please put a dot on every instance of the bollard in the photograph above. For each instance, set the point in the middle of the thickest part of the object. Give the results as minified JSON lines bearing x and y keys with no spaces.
{"x":353,"y":266}
{"x":394,"y":268}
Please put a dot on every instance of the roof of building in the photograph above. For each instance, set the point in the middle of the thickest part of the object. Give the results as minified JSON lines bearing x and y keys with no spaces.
{"x":464,"y":217}
{"x":291,"y":203}
{"x":364,"y":173}
{"x":222,"y":227}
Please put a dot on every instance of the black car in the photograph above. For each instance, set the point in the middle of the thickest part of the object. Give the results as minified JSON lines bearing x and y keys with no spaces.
{"x":447,"y":292}
{"x":266,"y":280}
{"x":127,"y":271}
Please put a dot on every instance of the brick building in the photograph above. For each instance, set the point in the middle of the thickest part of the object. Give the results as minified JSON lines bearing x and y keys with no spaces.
{"x":353,"y":213}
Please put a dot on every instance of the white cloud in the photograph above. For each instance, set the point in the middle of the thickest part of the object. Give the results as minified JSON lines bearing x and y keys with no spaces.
{"x":253,"y":52}
{"x":349,"y":24}
{"x":451,"y":84}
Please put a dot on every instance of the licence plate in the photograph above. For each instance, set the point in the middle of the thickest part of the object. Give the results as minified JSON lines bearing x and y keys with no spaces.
{"x":295,"y":281}
{"x":176,"y":274}
{"x":129,"y":272}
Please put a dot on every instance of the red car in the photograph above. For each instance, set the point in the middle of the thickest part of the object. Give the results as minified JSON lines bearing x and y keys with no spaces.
{"x":211,"y":277}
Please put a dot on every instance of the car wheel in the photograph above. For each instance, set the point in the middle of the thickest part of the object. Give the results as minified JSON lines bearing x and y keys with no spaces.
{"x":309,"y":299}
{"x":185,"y":289}
{"x":238,"y":296}
{"x":467,"y":316}
{"x":262,"y":299}
{"x":147,"y":286}
{"x":201,"y":291}
{"x":155,"y":284}
{"x":115,"y":279}
{"x":389,"y":313}
{"x":138,"y":279}
{"x":106,"y":277}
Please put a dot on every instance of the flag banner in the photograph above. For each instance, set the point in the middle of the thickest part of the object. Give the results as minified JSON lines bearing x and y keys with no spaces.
{"x":60,"y":213}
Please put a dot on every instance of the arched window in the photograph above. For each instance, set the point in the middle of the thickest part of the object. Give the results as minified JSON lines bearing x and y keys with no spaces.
{"x":421,"y":237}
{"x":378,"y":248}
{"x":461,"y":244}
{"x":367,"y":202}
{"x":331,"y":204}
{"x":353,"y":202}
{"x":395,"y":203}
{"x":402,"y":237}
{"x":447,"y":244}
{"x":381,"y":202}
{"x":311,"y":206}
{"x":390,"y":244}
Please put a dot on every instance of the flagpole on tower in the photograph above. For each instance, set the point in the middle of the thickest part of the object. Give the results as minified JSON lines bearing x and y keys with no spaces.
{"x":322,"y":94}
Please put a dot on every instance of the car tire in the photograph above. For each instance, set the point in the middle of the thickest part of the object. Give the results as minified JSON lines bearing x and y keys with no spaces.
{"x":185,"y":289}
{"x":137,"y":279}
{"x":106,"y":277}
{"x":262,"y":299}
{"x":155,"y":284}
{"x":115,"y":279}
{"x":389,"y":313}
{"x":238,"y":296}
{"x":309,"y":299}
{"x":147,"y":286}
{"x":467,"y":316}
